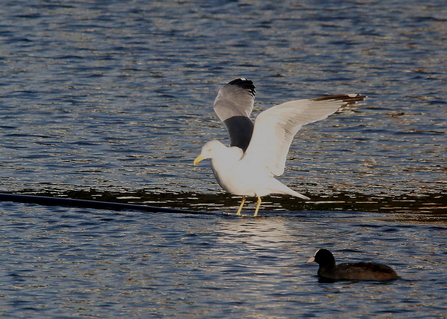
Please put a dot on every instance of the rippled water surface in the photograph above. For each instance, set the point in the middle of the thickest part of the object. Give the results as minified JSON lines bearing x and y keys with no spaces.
{"x":67,"y":262}
{"x":113,"y":101}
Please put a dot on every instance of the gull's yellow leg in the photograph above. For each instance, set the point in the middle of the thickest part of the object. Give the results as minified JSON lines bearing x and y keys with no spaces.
{"x":258,"y":204}
{"x":240,"y":207}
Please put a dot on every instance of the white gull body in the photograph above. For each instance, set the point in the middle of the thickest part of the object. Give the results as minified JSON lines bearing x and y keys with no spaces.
{"x":258,"y":152}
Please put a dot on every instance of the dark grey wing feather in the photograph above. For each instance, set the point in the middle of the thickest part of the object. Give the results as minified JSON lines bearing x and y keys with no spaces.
{"x":233,"y":105}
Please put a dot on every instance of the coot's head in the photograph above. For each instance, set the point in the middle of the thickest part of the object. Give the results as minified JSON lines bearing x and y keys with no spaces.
{"x":323,"y":257}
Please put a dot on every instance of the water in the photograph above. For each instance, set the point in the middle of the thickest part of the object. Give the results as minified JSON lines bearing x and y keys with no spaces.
{"x":68,"y":263}
{"x":113,"y":100}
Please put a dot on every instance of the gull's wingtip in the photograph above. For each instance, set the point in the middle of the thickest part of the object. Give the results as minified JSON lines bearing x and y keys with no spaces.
{"x":245,"y":84}
{"x":360,"y":97}
{"x":348,"y":99}
{"x":356,"y":95}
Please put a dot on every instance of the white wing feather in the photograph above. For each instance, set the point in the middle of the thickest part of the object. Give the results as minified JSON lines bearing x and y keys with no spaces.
{"x":275,"y":128}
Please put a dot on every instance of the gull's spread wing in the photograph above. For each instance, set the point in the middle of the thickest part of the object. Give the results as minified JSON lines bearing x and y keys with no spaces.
{"x":275,"y":128}
{"x":233,"y":105}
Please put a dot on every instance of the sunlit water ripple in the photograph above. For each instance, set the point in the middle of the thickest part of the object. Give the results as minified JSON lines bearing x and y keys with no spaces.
{"x":113,"y":100}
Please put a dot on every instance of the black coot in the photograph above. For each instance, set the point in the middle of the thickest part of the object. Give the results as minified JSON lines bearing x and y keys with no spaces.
{"x":328,"y":270}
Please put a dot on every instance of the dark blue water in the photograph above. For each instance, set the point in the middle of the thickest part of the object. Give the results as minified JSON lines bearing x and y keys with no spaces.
{"x":68,"y":263}
{"x":113,"y":101}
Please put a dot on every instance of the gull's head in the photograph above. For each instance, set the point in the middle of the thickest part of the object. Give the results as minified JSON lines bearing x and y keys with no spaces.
{"x":209,"y":150}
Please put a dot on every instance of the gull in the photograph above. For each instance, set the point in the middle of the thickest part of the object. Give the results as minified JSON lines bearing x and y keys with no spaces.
{"x":258,"y":151}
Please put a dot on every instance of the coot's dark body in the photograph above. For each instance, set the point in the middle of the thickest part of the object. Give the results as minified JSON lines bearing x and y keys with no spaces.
{"x":350,"y":271}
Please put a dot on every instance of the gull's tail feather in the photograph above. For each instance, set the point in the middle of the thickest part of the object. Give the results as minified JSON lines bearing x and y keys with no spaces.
{"x":293,"y":193}
{"x":283,"y":189}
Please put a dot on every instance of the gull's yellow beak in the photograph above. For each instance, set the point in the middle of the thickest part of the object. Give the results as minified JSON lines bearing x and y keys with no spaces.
{"x":198,"y":159}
